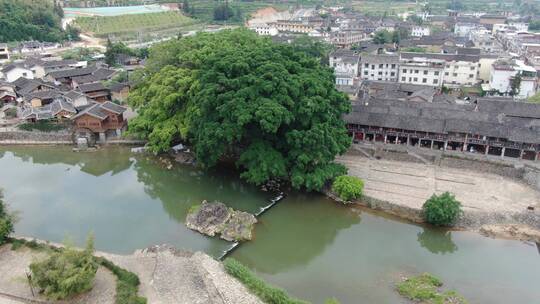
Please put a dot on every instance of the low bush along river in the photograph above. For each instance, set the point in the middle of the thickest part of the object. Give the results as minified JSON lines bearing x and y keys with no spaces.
{"x":307,"y":244}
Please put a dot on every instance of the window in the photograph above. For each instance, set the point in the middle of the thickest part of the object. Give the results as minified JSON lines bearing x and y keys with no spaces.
{"x":380,"y":73}
{"x":410,"y":79}
{"x":24,"y":74}
{"x":446,"y":74}
{"x":403,"y":78}
{"x":455,"y":74}
{"x":366,"y":73}
{"x":471,"y":76}
{"x":435,"y":81}
{"x":380,"y":66}
{"x":392,"y":73}
{"x":415,"y":79}
{"x":425,"y":72}
{"x":373,"y":66}
{"x":366,"y":65}
{"x":416,"y":71}
{"x":436,"y":73}
{"x":404,"y":70}
{"x":424,"y":80}
{"x":472,"y":68}
{"x":393,"y":66}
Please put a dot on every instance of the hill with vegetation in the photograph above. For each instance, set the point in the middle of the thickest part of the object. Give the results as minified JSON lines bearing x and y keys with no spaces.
{"x":30,"y":20}
{"x":104,"y":26}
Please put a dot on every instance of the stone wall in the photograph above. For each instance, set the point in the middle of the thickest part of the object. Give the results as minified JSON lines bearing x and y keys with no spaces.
{"x":19,"y":136}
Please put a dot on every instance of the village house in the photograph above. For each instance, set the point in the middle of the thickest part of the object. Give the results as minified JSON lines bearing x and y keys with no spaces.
{"x":379,"y":67}
{"x":264,"y":29}
{"x":504,"y":72}
{"x":119,"y":91}
{"x":4,"y":53}
{"x":345,"y":64}
{"x":100,"y":120}
{"x":67,"y":76}
{"x":14,"y":71}
{"x":493,"y":128}
{"x":59,"y":109}
{"x":97,"y":91}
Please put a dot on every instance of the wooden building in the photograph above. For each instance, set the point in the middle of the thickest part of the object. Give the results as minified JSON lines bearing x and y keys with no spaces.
{"x":489,"y":127}
{"x":101,"y":119}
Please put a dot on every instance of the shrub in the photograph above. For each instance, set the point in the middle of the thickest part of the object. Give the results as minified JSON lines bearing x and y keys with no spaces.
{"x":65,"y":273}
{"x":127,"y":283}
{"x":265,"y":292}
{"x":6,"y":222}
{"x":441,"y":210}
{"x":42,"y":125}
{"x":348,"y":187}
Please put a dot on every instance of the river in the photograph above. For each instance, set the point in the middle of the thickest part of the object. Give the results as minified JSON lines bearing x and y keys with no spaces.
{"x":307,"y":244}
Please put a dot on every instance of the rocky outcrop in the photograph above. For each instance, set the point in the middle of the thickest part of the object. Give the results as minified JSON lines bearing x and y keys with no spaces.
{"x":514,"y":232}
{"x":216,"y":218}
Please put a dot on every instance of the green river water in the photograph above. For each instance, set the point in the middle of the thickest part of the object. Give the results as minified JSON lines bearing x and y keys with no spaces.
{"x":307,"y":244}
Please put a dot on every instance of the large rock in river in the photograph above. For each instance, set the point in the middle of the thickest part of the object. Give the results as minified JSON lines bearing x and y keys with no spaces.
{"x":216,"y":218}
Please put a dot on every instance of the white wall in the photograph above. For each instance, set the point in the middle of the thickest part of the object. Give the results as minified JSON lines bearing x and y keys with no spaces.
{"x":18,"y":72}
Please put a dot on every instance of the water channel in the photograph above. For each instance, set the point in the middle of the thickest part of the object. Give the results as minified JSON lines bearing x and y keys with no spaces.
{"x":309,"y":245}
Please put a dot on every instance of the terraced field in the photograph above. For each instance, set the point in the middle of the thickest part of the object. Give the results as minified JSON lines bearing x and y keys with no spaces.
{"x":104,"y":26}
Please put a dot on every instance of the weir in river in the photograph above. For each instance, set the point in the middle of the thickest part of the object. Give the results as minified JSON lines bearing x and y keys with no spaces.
{"x":261,"y":211}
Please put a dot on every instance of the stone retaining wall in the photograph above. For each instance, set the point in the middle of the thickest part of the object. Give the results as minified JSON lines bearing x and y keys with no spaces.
{"x":34,"y":136}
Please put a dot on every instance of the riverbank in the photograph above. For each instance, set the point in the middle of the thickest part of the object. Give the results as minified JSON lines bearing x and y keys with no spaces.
{"x":400,"y":187}
{"x":167,"y":275}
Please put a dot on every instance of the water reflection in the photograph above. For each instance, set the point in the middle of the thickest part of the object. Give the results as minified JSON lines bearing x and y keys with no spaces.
{"x":303,"y":231}
{"x":438,"y":241}
{"x":97,"y":163}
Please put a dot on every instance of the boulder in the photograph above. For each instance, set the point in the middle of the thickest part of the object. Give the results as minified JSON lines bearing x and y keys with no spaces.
{"x":216,"y":218}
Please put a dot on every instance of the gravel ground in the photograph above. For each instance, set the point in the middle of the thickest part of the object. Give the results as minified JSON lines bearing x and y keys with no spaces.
{"x":170,"y":276}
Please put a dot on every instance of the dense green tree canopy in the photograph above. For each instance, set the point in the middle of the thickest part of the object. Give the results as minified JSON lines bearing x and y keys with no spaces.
{"x":32,"y":19}
{"x":271,"y":107}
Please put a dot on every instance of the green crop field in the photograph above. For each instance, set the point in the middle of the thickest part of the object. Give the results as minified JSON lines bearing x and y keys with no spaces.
{"x":103,"y":26}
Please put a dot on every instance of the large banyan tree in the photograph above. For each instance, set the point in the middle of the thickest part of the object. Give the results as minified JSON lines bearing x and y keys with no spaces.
{"x":271,"y":107}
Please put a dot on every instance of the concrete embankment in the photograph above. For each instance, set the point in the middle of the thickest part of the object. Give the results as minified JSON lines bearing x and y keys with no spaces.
{"x":491,"y":194}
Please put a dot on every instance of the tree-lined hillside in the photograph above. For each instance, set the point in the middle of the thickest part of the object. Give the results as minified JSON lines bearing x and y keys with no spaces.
{"x":30,"y":20}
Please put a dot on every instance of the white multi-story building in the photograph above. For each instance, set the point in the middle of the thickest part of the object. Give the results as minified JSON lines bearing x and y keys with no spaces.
{"x":345,"y":65}
{"x":463,"y":29}
{"x":4,"y":53}
{"x":420,"y":31}
{"x":415,"y":68}
{"x":379,"y":67}
{"x":264,"y":29}
{"x":484,"y":40}
{"x":504,"y":72}
{"x":346,"y":38}
{"x":519,"y":27}
{"x":484,"y":67}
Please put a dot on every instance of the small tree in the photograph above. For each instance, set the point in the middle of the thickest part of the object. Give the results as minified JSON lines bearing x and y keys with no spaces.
{"x":441,"y":210}
{"x":66,"y":273}
{"x":348,"y":187}
{"x":6,"y":221}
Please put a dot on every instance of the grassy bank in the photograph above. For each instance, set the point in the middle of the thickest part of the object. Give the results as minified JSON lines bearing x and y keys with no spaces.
{"x":265,"y":292}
